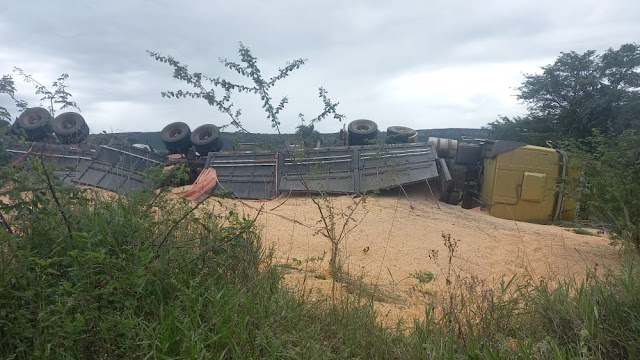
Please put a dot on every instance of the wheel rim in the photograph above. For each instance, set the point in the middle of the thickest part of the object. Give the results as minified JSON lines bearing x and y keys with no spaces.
{"x":175,"y":133}
{"x":32,"y":119}
{"x":68,"y":124}
{"x":205,"y":135}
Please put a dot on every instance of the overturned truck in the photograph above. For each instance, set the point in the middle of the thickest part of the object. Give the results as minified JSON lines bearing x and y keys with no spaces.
{"x":360,"y":166}
{"x":511,"y":180}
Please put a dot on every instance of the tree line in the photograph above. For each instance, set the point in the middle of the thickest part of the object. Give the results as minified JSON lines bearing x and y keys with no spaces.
{"x":589,"y":104}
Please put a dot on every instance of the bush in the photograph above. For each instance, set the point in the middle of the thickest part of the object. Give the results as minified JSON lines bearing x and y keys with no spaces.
{"x":595,"y":318}
{"x":149,"y":276}
{"x":611,"y":182}
{"x":98,"y":290}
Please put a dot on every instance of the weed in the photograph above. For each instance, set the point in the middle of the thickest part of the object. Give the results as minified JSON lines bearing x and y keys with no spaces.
{"x":581,"y":231}
{"x":356,"y":285}
{"x":288,"y":267}
{"x":209,"y":291}
{"x":423,"y":276}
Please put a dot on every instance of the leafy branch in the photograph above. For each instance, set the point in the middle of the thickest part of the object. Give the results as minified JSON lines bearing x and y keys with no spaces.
{"x":59,"y":95}
{"x":217,"y":92}
{"x":259,"y":85}
{"x":8,"y":86}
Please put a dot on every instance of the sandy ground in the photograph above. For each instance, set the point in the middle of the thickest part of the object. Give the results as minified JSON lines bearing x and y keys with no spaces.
{"x":394,"y":236}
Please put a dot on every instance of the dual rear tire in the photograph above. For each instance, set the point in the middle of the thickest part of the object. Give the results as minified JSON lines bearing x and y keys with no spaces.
{"x":365,"y":132}
{"x":38,"y":125}
{"x":178,"y":138}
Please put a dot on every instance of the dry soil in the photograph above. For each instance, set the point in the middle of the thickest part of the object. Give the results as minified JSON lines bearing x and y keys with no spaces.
{"x":394,"y":236}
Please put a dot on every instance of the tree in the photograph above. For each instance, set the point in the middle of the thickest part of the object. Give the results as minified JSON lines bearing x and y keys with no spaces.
{"x":528,"y":129}
{"x":308,"y":135}
{"x":8,"y":87}
{"x":58,"y":98}
{"x":210,"y":88}
{"x":333,"y":226}
{"x":590,"y":103}
{"x":610,"y":183}
{"x":579,"y":93}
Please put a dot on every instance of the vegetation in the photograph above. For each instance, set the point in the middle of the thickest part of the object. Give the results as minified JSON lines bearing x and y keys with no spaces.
{"x":91,"y":275}
{"x":131,"y":281}
{"x":577,"y":94}
{"x":210,"y":88}
{"x":54,"y":98}
{"x":589,"y":103}
{"x":334,"y":224}
{"x":610,"y":183}
{"x":308,"y":136}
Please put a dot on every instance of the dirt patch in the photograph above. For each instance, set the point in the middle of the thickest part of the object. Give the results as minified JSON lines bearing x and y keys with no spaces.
{"x":396,"y":235}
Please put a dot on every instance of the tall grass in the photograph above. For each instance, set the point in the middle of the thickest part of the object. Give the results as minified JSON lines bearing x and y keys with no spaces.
{"x":136,"y":281}
{"x":147,"y":277}
{"x":597,"y":317}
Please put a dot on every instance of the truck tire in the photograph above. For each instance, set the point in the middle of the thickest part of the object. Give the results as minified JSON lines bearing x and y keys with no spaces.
{"x":206,"y":138}
{"x":468,"y":154}
{"x":458,"y":175}
{"x":176,"y":137}
{"x":468,"y":202}
{"x":362,"y":132}
{"x":399,"y":135}
{"x":443,"y":197}
{"x":70,"y":128}
{"x":445,"y":182}
{"x":36,"y":123}
{"x":454,"y":198}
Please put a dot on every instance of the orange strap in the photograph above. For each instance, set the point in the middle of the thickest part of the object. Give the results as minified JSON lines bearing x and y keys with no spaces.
{"x":205,"y":182}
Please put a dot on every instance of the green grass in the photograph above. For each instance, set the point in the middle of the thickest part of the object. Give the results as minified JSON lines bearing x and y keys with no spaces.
{"x":146,"y":277}
{"x":581,"y":231}
{"x":423,"y":276}
{"x":597,"y":318}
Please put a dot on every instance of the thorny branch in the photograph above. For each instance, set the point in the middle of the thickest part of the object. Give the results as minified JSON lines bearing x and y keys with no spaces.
{"x":261,"y":86}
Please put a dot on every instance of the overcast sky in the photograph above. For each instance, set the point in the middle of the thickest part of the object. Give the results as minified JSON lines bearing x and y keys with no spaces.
{"x":422,"y":64}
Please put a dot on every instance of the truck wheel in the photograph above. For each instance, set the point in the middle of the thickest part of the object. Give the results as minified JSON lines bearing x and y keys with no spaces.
{"x":36,"y":123}
{"x":454,"y":198}
{"x":458,"y":175}
{"x":468,"y":201}
{"x":70,"y":128}
{"x":399,"y":134}
{"x":362,"y":132}
{"x":176,"y":137}
{"x":444,"y":197}
{"x":206,"y":138}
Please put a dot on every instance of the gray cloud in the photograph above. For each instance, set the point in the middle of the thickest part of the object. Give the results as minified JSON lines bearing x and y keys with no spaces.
{"x":398,"y":64}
